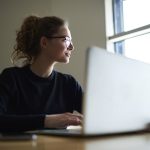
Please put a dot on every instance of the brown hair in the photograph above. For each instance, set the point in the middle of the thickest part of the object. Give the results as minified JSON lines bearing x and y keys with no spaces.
{"x":28,"y":37}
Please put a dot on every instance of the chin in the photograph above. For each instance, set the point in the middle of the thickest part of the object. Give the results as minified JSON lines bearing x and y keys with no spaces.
{"x":65,"y":61}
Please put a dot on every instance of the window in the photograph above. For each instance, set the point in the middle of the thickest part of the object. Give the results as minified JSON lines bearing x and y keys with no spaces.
{"x":131,"y":36}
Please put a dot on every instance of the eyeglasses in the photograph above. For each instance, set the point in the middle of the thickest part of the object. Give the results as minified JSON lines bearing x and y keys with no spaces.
{"x":67,"y":39}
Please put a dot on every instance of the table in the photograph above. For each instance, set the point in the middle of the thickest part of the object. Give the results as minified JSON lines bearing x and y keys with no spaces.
{"x":44,"y":142}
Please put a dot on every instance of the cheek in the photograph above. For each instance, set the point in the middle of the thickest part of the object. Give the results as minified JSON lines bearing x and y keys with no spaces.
{"x":56,"y":51}
{"x":60,"y":48}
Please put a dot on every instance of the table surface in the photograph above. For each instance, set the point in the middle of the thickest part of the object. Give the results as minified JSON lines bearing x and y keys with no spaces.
{"x":44,"y":142}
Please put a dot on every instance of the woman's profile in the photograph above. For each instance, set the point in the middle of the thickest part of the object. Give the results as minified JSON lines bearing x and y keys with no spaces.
{"x":35,"y":96}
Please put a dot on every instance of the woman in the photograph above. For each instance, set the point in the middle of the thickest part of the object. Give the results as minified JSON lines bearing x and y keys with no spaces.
{"x":35,"y":96}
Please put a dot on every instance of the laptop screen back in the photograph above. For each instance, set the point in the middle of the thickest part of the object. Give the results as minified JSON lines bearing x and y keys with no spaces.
{"x":117,"y":93}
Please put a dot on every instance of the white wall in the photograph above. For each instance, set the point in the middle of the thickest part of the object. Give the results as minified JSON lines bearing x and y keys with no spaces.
{"x":86,"y":19}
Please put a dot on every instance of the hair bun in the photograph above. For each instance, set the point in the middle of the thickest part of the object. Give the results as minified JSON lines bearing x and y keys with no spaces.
{"x":31,"y":21}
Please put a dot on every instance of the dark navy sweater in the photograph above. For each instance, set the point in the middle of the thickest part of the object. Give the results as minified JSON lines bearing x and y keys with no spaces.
{"x":26,"y":98}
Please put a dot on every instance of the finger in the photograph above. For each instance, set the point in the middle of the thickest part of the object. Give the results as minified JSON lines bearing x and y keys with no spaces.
{"x":75,"y":114}
{"x":80,"y":116}
{"x":74,"y":121}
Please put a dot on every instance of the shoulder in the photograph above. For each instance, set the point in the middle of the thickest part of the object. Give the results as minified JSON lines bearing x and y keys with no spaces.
{"x":65,"y":77}
{"x":10,"y":71}
{"x":10,"y":74}
{"x":7,"y":77}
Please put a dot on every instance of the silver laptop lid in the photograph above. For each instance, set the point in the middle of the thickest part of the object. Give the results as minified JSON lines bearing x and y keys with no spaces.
{"x":117,"y":93}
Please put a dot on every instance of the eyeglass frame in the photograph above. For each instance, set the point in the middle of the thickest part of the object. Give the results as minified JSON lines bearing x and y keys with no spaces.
{"x":67,"y":38}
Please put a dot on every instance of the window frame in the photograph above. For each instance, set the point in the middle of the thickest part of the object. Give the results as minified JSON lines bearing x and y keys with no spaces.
{"x":116,"y":35}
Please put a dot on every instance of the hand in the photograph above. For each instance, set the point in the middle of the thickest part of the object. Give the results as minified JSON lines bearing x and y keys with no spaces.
{"x":62,"y":120}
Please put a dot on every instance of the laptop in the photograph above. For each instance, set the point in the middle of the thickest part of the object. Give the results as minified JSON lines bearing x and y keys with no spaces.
{"x":117,"y":96}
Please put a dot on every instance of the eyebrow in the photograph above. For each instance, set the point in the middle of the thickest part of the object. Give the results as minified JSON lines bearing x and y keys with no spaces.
{"x":61,"y":36}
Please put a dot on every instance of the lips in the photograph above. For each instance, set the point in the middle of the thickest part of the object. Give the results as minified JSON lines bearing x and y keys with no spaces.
{"x":68,"y":54}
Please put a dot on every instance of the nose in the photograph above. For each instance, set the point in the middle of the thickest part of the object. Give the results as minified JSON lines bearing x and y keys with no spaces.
{"x":71,"y":47}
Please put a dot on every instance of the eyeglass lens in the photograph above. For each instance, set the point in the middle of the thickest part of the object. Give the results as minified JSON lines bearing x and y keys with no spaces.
{"x":68,"y":41}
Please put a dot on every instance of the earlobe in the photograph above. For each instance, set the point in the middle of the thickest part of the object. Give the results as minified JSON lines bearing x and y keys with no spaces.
{"x":43,"y":42}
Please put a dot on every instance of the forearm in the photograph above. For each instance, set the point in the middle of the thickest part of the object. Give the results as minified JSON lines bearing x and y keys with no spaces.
{"x":17,"y":123}
{"x":62,"y":120}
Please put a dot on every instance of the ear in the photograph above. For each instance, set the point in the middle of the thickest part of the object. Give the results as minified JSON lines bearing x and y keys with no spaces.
{"x":43,"y":42}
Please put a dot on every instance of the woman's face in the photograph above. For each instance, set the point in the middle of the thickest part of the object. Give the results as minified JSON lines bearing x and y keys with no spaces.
{"x":58,"y":48}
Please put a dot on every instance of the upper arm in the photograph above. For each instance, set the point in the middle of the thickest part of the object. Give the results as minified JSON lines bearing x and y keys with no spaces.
{"x":77,"y":94}
{"x":6,"y":88}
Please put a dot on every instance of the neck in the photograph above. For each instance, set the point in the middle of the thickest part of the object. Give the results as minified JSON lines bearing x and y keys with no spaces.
{"x":42,"y":68}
